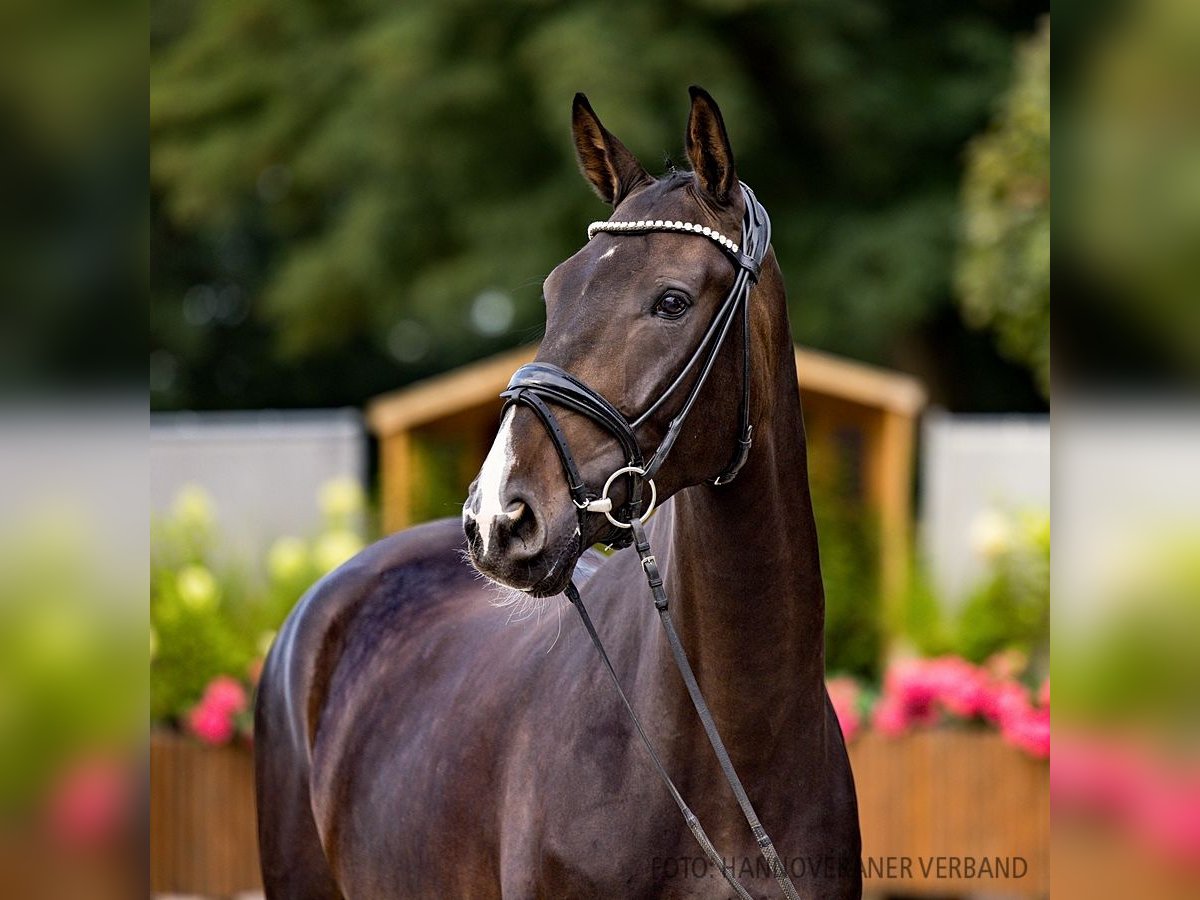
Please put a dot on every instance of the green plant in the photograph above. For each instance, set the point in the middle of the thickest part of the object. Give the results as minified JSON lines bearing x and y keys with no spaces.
{"x":921,"y":619}
{"x":849,"y":541}
{"x":210,"y":619}
{"x":72,"y":645}
{"x":1003,"y":274}
{"x":1136,"y":665}
{"x":1009,"y":608}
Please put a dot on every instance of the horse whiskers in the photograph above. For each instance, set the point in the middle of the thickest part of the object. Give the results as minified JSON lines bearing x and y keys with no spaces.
{"x":522,"y":606}
{"x":558,"y":633}
{"x":504,"y":594}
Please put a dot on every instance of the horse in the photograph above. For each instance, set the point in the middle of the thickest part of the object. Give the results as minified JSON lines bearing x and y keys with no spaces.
{"x":413,"y":740}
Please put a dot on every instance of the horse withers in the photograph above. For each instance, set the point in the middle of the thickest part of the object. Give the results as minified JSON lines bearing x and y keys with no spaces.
{"x":413,"y":741}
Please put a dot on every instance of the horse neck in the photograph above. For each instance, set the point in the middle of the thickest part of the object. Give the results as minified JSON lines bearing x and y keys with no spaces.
{"x":743,"y":570}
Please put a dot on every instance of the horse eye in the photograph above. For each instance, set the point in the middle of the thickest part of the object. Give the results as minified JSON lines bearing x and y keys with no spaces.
{"x":671,"y":305}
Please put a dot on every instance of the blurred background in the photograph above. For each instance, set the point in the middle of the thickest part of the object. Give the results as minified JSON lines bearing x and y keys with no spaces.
{"x":346,"y":197}
{"x":351,"y":209}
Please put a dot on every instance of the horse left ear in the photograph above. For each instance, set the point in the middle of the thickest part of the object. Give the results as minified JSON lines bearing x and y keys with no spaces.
{"x":708,"y":146}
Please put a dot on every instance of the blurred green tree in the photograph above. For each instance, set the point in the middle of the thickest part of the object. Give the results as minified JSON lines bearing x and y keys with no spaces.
{"x":347,"y":196}
{"x":1003,"y":270}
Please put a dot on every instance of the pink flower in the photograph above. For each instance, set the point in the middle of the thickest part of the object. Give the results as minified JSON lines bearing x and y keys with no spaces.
{"x":1005,"y":701}
{"x":844,"y":695}
{"x":225,"y":694}
{"x":1133,"y":785}
{"x":1095,"y":774}
{"x":212,"y":719}
{"x":921,"y":691}
{"x":210,"y":724}
{"x":913,"y":685}
{"x":1169,"y":815}
{"x":961,"y":687}
{"x":89,"y":803}
{"x":1043,"y":697}
{"x":889,"y":717}
{"x":1029,"y":730}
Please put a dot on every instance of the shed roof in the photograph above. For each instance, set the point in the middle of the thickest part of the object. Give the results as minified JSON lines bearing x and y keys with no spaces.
{"x":481,"y":382}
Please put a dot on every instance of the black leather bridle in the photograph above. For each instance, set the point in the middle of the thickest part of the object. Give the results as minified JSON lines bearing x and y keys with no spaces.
{"x":540,"y":386}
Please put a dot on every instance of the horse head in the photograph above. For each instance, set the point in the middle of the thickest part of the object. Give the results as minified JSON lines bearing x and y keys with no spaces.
{"x":636,"y":319}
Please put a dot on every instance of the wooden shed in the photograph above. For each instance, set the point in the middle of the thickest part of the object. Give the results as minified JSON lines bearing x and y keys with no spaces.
{"x":860,"y":421}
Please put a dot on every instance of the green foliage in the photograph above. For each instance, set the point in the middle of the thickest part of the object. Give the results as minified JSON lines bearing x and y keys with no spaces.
{"x":1010,"y":607}
{"x":365,"y":193}
{"x":849,"y":541}
{"x":72,"y":655}
{"x":921,"y":619}
{"x":73,"y":219}
{"x":1136,"y":663}
{"x":1003,"y":274}
{"x":1128,"y":208}
{"x":441,"y":484}
{"x":209,"y":619}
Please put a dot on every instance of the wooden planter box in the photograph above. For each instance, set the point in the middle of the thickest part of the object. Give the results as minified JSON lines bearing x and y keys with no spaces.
{"x":938,"y":798}
{"x":203,"y":838}
{"x":929,"y":798}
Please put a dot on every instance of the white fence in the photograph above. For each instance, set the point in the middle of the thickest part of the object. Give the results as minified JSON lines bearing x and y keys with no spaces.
{"x":972,"y":465}
{"x":263,"y":469}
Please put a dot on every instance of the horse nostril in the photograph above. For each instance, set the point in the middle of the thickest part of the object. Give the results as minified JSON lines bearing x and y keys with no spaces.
{"x":512,"y":531}
{"x":524,"y":522}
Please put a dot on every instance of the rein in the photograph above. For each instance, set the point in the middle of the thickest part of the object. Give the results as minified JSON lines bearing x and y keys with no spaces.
{"x":540,"y":385}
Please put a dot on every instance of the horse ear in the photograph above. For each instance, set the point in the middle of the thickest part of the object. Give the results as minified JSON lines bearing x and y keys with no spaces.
{"x":605,"y":162}
{"x":708,"y":146}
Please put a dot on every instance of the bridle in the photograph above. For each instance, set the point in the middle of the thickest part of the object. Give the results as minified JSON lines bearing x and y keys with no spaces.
{"x":540,"y":385}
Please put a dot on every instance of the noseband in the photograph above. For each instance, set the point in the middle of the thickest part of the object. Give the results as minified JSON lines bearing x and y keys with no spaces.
{"x":540,"y":385}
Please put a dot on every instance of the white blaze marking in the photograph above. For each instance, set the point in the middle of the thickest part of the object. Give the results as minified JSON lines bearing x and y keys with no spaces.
{"x":609,"y":252}
{"x":492,"y":478}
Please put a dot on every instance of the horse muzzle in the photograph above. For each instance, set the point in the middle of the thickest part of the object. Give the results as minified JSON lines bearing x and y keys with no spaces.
{"x":521,"y":545}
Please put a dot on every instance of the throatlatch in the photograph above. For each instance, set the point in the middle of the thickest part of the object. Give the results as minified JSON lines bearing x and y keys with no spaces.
{"x":540,"y":385}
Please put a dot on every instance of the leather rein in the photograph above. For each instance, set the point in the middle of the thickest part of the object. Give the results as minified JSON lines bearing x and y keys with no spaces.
{"x":541,"y":386}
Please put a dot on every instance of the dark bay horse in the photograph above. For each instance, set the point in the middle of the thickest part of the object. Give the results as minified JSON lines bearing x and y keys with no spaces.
{"x":413,"y":741}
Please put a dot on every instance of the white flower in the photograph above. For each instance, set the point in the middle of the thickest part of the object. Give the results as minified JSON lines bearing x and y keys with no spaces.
{"x":193,"y":507}
{"x":335,"y":547}
{"x":287,"y":559}
{"x":991,"y":534}
{"x":341,"y":498}
{"x":197,"y":588}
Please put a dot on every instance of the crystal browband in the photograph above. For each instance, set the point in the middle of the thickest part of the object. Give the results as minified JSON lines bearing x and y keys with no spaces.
{"x":646,"y":225}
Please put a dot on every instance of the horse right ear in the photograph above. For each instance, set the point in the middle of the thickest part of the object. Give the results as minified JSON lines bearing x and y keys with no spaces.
{"x":605,"y":162}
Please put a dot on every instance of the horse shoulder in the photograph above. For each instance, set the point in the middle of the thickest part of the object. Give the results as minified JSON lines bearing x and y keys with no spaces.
{"x":297,"y":671}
